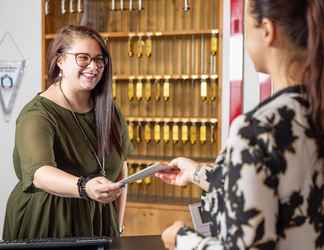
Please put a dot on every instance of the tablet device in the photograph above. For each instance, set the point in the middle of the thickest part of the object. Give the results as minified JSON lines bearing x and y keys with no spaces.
{"x":200,"y":219}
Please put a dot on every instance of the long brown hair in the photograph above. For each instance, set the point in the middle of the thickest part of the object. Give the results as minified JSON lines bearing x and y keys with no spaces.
{"x":303,"y":22}
{"x":107,"y":121}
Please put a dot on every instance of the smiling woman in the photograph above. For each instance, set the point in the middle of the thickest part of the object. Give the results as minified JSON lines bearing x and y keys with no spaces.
{"x":70,"y":148}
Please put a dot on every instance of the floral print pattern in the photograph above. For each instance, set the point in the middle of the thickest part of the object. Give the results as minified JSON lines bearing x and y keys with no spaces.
{"x":266,"y":189}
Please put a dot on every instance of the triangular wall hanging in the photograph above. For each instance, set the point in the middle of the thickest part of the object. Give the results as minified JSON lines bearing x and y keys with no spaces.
{"x":11,"y":74}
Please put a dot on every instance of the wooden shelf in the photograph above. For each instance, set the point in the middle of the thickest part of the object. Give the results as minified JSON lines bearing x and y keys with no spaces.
{"x":149,"y":160}
{"x":158,"y":77}
{"x":108,"y":35}
{"x":169,"y":77}
{"x":173,"y":119}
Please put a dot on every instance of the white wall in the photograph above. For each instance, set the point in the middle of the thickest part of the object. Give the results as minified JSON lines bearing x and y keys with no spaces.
{"x":225,"y":71}
{"x":251,"y":89}
{"x":251,"y":84}
{"x":22,"y":19}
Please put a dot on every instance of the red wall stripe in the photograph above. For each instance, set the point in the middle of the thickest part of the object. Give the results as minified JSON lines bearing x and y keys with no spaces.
{"x":236,"y":40}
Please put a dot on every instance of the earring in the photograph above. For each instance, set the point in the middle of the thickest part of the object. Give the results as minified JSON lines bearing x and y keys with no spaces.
{"x":60,"y":74}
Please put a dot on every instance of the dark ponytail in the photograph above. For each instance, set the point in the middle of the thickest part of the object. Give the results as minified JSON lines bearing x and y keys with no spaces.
{"x":303,"y":22}
{"x":314,"y":70}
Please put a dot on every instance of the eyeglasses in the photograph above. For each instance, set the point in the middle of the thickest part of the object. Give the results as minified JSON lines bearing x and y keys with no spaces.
{"x":84,"y":59}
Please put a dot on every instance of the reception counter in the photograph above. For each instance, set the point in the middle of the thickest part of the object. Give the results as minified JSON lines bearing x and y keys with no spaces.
{"x":138,"y":243}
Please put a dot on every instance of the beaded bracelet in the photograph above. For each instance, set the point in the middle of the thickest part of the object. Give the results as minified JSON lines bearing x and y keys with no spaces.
{"x":81,"y":187}
{"x":82,"y":181}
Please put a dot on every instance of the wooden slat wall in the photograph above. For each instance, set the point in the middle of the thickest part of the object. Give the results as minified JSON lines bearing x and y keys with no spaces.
{"x":180,"y":54}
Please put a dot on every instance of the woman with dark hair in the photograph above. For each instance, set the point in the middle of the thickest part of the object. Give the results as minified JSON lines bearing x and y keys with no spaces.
{"x":266,"y":189}
{"x":71,"y":144}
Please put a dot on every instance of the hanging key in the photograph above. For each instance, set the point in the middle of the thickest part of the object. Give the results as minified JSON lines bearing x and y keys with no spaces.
{"x":157,"y":131}
{"x":113,"y":5}
{"x":130,"y":170}
{"x":193,"y":62}
{"x":213,"y":65}
{"x":193,"y":132}
{"x":213,"y":78}
{"x":114,"y":88}
{"x":148,"y":45}
{"x":148,"y":89}
{"x":47,"y":7}
{"x":139,"y":89}
{"x":138,"y":132}
{"x":80,"y":6}
{"x":130,"y":89}
{"x":71,"y":6}
{"x":121,"y":3}
{"x":147,"y":180}
{"x":140,"y":6}
{"x":131,"y":130}
{"x":212,"y":130}
{"x":130,"y":45}
{"x":186,"y":6}
{"x":140,"y":45}
{"x":213,"y":85}
{"x":147,"y":131}
{"x":214,"y":43}
{"x":166,"y":88}
{"x":166,"y":132}
{"x":203,"y":132}
{"x":139,"y":168}
{"x":130,"y":5}
{"x":203,"y":87}
{"x":157,"y":88}
{"x":63,"y":9}
{"x":184,"y":131}
{"x":175,"y":131}
{"x":203,"y":82}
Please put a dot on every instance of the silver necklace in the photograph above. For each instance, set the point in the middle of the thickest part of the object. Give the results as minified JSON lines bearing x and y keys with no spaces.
{"x":91,"y":147}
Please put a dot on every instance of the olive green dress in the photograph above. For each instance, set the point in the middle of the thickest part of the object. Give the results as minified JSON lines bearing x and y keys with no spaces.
{"x":47,"y":134}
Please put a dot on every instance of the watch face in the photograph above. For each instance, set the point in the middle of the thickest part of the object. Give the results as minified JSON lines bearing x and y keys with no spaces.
{"x":196,"y":175}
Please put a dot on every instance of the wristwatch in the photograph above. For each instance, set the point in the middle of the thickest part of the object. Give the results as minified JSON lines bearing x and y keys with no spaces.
{"x":196,"y":175}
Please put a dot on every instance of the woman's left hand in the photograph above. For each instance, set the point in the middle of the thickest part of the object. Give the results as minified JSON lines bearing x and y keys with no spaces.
{"x":102,"y":190}
{"x":169,"y":235}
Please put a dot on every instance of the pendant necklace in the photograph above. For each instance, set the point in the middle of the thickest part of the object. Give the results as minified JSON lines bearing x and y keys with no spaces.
{"x":91,"y":147}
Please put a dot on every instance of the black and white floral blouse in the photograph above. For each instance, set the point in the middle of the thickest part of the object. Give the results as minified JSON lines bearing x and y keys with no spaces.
{"x":266,"y":190}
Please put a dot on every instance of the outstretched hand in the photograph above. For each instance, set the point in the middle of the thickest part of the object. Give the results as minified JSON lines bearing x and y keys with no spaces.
{"x":181,"y":172}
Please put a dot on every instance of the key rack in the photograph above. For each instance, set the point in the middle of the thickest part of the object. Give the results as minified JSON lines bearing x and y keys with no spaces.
{"x":167,"y":65}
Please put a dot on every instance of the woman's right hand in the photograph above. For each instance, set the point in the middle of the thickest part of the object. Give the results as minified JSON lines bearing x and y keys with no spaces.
{"x":102,"y":190}
{"x":181,"y":172}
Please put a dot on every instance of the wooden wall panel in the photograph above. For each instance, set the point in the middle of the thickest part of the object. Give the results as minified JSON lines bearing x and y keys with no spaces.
{"x":181,"y":56}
